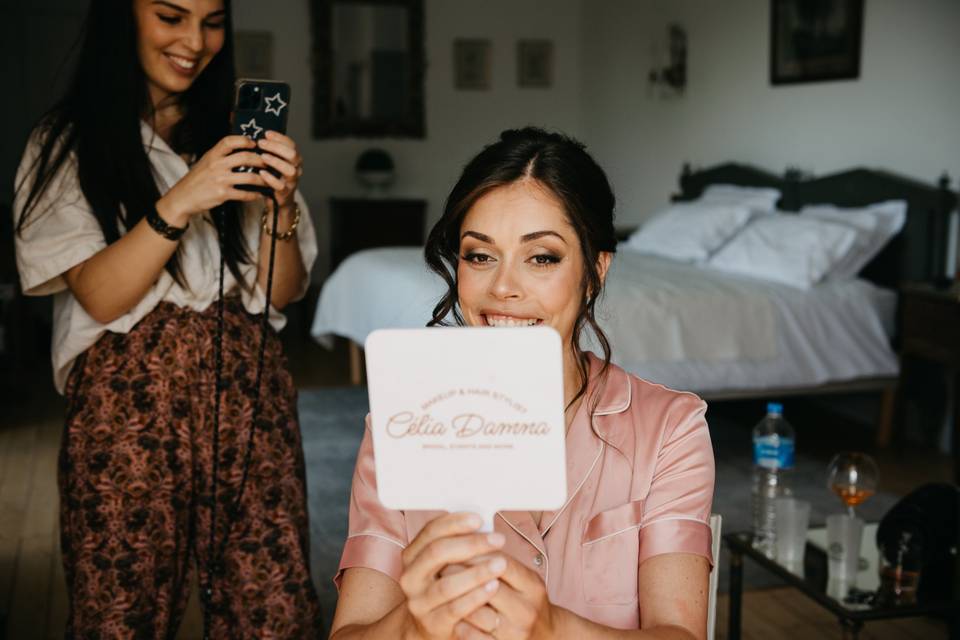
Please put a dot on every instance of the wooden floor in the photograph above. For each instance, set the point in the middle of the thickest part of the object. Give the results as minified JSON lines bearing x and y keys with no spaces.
{"x":32,"y":594}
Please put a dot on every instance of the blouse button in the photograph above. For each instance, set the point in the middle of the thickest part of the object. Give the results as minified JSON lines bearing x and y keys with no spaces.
{"x":538,"y":560}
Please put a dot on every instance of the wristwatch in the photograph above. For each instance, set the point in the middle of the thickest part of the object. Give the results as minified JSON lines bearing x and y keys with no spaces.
{"x":160,"y":225}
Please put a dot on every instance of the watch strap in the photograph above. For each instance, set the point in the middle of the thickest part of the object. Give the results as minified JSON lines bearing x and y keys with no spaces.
{"x":161,"y":226}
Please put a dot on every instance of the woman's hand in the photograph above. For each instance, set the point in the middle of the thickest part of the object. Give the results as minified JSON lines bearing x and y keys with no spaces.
{"x":520,"y":609}
{"x":212,"y":181}
{"x":437,"y":604}
{"x":281,"y":155}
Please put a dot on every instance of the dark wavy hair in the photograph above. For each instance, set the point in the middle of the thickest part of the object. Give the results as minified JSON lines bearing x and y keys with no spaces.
{"x":112,"y":166}
{"x":562,"y":166}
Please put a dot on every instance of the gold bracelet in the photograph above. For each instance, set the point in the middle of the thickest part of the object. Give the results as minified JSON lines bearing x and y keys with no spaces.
{"x":286,"y":235}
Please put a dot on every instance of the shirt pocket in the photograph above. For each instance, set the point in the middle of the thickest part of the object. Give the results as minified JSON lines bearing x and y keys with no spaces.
{"x":610,"y":550}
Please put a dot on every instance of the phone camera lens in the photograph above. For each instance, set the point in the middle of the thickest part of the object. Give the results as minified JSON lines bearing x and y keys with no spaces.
{"x":249,"y":97}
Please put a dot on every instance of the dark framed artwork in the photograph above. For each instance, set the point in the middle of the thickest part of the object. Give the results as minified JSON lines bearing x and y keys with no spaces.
{"x":471,"y":64}
{"x":535,"y":64}
{"x":815,"y":40}
{"x":369,"y":62}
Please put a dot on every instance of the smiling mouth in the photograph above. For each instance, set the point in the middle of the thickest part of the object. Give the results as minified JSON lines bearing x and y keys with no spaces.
{"x":182,"y":64}
{"x":493,"y":320}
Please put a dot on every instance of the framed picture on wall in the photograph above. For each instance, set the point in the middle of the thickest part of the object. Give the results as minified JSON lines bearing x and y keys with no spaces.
{"x":535,"y":63}
{"x":253,"y":54}
{"x":471,"y":64}
{"x":815,"y":40}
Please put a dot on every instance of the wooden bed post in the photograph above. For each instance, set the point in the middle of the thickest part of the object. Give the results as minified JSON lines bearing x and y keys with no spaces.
{"x":888,"y":406}
{"x":356,"y":364}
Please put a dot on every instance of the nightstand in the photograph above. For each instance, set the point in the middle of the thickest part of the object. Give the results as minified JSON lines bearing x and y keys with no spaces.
{"x":364,"y":223}
{"x":930,"y":330}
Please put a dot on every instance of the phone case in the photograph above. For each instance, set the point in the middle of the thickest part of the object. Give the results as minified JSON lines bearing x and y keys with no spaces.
{"x":259,"y":106}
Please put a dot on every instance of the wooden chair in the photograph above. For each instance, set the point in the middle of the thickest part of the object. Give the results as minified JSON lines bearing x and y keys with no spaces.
{"x":716,"y":526}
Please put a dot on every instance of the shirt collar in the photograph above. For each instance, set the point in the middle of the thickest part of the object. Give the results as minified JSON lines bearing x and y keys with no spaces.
{"x":152,"y":140}
{"x":611,"y":392}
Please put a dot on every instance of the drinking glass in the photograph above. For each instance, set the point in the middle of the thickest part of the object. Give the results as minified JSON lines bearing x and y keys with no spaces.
{"x":853,"y":476}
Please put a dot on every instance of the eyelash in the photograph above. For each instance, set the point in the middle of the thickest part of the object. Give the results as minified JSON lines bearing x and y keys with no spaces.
{"x":177,"y":19}
{"x":541,"y":260}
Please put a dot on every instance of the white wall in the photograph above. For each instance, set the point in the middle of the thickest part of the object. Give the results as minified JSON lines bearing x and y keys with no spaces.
{"x":903,"y":113}
{"x":458,"y":123}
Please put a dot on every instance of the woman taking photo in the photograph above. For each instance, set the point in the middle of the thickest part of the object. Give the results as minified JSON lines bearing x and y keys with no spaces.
{"x":126,"y":200}
{"x":527,"y":237}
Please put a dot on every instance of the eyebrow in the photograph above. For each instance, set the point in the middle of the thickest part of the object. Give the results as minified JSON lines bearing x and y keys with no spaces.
{"x":176,"y":7}
{"x":527,"y":237}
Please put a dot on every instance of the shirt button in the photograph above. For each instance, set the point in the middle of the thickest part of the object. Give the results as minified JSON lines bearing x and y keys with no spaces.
{"x":538,"y":560}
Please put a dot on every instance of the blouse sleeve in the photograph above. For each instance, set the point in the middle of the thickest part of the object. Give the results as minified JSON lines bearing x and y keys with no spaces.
{"x":61,"y":231}
{"x":676,"y":512}
{"x":307,"y":238}
{"x":376,"y":535}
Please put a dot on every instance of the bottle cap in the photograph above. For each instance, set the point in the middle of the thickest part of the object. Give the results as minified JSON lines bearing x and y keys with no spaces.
{"x":775,"y":408}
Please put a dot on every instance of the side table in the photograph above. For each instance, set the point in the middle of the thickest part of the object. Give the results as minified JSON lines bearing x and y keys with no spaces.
{"x":813,"y":584}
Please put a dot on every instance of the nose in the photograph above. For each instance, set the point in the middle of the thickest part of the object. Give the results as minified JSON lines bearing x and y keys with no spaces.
{"x":193,"y":38}
{"x":505,"y":285}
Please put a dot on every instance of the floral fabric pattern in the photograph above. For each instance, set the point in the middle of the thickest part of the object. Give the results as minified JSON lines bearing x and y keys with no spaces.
{"x":135,"y":483}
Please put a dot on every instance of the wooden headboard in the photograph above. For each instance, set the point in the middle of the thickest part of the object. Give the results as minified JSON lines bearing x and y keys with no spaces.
{"x":917,"y":253}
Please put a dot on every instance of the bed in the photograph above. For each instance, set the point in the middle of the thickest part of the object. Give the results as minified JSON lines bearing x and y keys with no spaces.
{"x":696,"y":329}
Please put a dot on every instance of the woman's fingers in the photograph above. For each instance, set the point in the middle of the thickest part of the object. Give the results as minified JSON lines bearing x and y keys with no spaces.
{"x":485,"y":618}
{"x":450,"y":524}
{"x":278,"y":143}
{"x":448,"y":615}
{"x":464,"y":631}
{"x":243,"y":159}
{"x":448,"y":589}
{"x":229,"y":144}
{"x":450,"y":550}
{"x":280,"y":165}
{"x":521,"y":578}
{"x":272,"y":181}
{"x":239,"y":195}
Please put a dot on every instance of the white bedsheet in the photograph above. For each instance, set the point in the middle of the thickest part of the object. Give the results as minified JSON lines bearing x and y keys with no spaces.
{"x":680,"y":325}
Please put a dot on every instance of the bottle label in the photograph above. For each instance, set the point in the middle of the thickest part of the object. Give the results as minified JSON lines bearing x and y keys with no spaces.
{"x":773,"y":452}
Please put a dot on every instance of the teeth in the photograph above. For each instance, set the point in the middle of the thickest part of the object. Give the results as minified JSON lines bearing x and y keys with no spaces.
{"x":507,"y":321}
{"x":186,"y":63}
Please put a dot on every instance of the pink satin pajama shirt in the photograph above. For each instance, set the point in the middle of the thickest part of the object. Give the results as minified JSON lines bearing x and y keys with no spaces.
{"x":640,"y":477}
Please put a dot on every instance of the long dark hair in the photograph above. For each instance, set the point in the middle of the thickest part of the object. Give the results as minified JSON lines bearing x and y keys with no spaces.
{"x":561,"y":165}
{"x":98,"y":120}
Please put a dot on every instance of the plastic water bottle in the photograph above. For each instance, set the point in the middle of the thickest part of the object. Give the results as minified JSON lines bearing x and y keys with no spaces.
{"x":773,"y":447}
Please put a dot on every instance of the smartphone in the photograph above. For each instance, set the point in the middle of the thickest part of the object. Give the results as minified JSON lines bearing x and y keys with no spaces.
{"x":259,"y":106}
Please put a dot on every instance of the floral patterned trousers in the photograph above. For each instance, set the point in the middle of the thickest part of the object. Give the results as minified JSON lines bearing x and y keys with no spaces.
{"x":135,"y":483}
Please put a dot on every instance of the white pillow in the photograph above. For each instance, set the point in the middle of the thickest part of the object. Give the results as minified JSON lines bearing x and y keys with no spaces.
{"x":786,"y":248}
{"x":689,"y":231}
{"x":875,"y":225}
{"x":759,"y":199}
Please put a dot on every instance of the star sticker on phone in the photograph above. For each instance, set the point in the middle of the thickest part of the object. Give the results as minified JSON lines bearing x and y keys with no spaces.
{"x":275,"y":108}
{"x":251,"y":130}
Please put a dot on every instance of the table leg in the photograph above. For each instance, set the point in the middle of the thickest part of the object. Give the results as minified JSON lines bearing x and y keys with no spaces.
{"x":956,"y":425}
{"x":736,"y":594}
{"x":356,"y":364}
{"x":850,"y":629}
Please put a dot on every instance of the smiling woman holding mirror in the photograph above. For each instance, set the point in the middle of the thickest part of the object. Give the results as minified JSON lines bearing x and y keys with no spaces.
{"x":526,"y":239}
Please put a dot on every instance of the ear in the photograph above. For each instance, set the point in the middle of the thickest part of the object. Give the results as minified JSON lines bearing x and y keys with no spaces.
{"x":603,"y":264}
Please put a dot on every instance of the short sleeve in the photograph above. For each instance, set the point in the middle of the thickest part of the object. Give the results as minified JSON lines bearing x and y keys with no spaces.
{"x":61,"y":231}
{"x":376,"y":535}
{"x":307,"y":238}
{"x":676,"y":513}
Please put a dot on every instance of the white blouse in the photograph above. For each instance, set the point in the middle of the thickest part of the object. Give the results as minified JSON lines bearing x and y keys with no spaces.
{"x":62,"y":232}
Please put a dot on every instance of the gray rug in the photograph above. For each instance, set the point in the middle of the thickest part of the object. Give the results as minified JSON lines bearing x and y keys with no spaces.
{"x":332,"y":424}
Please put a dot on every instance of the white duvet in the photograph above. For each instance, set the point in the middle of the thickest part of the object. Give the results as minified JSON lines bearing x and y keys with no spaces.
{"x":680,"y":325}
